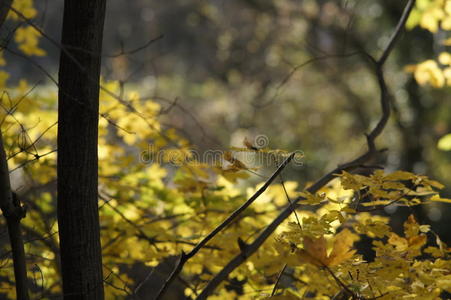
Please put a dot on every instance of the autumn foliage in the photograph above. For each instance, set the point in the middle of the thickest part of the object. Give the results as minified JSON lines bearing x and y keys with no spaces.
{"x":154,"y":211}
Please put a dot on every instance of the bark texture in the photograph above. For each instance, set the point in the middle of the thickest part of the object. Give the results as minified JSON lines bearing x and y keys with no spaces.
{"x":11,"y":208}
{"x":13,"y":212}
{"x":78,"y":105}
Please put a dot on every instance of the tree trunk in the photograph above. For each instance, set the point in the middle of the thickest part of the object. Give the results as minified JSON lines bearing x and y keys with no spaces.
{"x":78,"y":106}
{"x":13,"y":212}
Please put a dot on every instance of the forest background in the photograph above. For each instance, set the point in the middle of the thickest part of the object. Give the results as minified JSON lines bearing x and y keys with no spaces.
{"x":243,"y":76}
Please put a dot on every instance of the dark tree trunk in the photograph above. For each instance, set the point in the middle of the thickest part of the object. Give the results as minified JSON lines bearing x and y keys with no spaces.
{"x":11,"y":208}
{"x":78,"y":106}
{"x":13,"y":212}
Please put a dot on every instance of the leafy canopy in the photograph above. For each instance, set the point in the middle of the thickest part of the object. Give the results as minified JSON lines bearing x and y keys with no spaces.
{"x":148,"y":216}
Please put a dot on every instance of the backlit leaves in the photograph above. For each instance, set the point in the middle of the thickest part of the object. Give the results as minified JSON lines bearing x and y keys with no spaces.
{"x":157,"y":200}
{"x":27,"y":37}
{"x":434,"y":16}
{"x":431,"y":15}
{"x":397,"y":270}
{"x":445,"y":142}
{"x":315,"y":250}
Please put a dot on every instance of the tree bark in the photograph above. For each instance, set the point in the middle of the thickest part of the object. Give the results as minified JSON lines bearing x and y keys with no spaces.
{"x":13,"y":212}
{"x":78,"y":106}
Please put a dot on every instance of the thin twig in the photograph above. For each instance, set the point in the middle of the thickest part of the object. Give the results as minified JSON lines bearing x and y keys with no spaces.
{"x":274,"y":290}
{"x":397,"y":32}
{"x":184,"y":257}
{"x":384,"y":100}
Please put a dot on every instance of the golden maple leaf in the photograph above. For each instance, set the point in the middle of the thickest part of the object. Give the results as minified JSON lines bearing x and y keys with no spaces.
{"x":315,"y":249}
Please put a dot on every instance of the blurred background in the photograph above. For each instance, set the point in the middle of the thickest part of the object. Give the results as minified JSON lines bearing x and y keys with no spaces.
{"x":290,"y":70}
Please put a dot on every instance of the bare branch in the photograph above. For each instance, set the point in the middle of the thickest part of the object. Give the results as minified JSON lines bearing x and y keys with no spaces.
{"x":185,"y":257}
{"x":384,"y":100}
{"x":397,"y":32}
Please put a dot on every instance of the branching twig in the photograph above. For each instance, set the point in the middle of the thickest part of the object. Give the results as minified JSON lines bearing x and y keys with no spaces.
{"x":296,"y":68}
{"x":384,"y":100}
{"x":184,"y":257}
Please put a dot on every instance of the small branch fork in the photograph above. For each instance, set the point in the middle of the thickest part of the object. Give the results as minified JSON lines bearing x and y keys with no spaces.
{"x":349,"y":166}
{"x":184,"y":257}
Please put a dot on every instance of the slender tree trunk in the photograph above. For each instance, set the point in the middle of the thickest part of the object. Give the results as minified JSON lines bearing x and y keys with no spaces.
{"x":11,"y":208}
{"x":13,"y":213}
{"x":78,"y":218}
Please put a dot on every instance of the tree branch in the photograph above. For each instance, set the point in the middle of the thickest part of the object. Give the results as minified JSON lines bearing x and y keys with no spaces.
{"x":385,"y":106}
{"x":184,"y":257}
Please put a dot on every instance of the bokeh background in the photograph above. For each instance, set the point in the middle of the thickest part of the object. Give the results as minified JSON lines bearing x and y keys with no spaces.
{"x":290,"y":70}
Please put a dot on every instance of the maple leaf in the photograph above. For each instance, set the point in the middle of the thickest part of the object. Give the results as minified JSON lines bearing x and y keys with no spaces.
{"x":403,"y":244}
{"x":413,"y":240}
{"x":341,"y":250}
{"x":315,"y":249}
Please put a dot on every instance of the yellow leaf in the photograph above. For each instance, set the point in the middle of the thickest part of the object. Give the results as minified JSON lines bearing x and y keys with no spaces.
{"x":399,"y":175}
{"x":352,"y":182}
{"x":425,"y":228}
{"x":445,"y":142}
{"x":445,"y":58}
{"x":446,"y":23}
{"x":437,"y":198}
{"x":428,"y":72}
{"x":400,"y":243}
{"x":27,"y":38}
{"x":414,"y":19}
{"x":341,"y":250}
{"x":232,"y":175}
{"x":417,"y":242}
{"x":431,"y":17}
{"x":315,"y":249}
{"x":376,"y":203}
{"x":313,"y":199}
{"x":447,"y":74}
{"x":448,"y":7}
{"x":25,"y":7}
{"x":277,"y":192}
{"x":444,"y":283}
{"x":411,"y":227}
